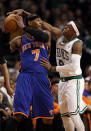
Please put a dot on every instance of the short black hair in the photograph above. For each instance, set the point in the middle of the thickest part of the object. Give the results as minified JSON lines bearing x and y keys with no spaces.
{"x":31,"y":18}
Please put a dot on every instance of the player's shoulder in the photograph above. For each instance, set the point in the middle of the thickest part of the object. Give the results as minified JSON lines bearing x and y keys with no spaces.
{"x":77,"y":47}
{"x":77,"y":40}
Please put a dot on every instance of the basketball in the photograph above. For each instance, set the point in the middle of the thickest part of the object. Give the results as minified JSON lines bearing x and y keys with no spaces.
{"x":10,"y":25}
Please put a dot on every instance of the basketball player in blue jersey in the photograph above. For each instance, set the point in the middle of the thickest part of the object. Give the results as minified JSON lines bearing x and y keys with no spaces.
{"x":33,"y":86}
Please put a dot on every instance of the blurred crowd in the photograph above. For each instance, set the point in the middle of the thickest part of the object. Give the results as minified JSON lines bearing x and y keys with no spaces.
{"x":57,"y":13}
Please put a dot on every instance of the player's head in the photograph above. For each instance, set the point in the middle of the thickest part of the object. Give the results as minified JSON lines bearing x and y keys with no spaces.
{"x":70,"y":30}
{"x":34,"y":21}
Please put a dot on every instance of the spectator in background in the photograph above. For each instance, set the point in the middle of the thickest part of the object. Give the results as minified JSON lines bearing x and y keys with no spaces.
{"x":88,"y":42}
{"x":13,"y":4}
{"x":87,"y":93}
{"x":4,"y":90}
{"x":88,"y":72}
{"x":54,"y":86}
{"x":13,"y":74}
{"x":33,"y":8}
{"x":57,"y":121}
{"x":5,"y":110}
{"x":70,"y":15}
{"x":87,"y":100}
{"x":26,"y":4}
{"x":4,"y":103}
{"x":6,"y":75}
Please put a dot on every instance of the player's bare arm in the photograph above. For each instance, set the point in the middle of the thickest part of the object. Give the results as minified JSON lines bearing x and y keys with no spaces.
{"x":56,"y":31}
{"x":19,"y":12}
{"x":77,"y":48}
{"x":44,"y":62}
{"x":15,"y":43}
{"x":49,"y":40}
{"x":7,"y":80}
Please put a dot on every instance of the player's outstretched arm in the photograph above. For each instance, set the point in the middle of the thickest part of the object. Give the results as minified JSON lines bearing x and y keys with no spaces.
{"x":19,"y":12}
{"x":56,"y":31}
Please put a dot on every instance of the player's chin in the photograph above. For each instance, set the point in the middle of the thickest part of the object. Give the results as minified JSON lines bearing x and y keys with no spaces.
{"x":65,"y":33}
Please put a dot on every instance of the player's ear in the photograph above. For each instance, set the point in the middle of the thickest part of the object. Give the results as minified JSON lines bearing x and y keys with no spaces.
{"x":29,"y":23}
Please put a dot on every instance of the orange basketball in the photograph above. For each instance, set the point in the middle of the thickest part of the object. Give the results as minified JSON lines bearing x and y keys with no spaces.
{"x":10,"y":25}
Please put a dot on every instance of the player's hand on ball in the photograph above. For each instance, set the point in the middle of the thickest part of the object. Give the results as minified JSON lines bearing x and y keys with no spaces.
{"x":18,"y":12}
{"x":19,"y":21}
{"x":44,"y":62}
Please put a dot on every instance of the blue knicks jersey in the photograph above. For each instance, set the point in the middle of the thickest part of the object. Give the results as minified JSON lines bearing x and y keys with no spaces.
{"x":31,"y":53}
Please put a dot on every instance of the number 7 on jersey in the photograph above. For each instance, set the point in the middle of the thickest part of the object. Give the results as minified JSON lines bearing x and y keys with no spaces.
{"x":36,"y":52}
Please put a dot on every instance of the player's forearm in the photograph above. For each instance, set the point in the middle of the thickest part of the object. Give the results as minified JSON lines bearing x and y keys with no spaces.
{"x":56,"y":31}
{"x":53,"y":69}
{"x":25,"y":13}
{"x":47,"y":26}
{"x":38,"y":34}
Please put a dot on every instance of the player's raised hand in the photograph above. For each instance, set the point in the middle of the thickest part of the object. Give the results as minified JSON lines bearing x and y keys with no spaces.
{"x":44,"y":62}
{"x":19,"y":21}
{"x":18,"y":12}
